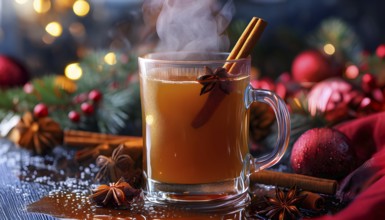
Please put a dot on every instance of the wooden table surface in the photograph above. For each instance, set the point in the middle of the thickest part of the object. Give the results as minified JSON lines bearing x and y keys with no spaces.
{"x":54,"y":186}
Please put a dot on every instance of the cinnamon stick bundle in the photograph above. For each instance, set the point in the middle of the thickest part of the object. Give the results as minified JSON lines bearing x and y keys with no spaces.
{"x":308,"y":183}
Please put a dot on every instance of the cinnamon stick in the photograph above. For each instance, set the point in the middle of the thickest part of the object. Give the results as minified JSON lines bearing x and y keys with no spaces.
{"x":313,"y":201}
{"x":313,"y":184}
{"x":82,"y":139}
{"x":242,"y":49}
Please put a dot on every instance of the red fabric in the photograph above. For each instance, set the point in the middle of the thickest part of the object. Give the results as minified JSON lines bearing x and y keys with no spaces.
{"x":366,"y":183}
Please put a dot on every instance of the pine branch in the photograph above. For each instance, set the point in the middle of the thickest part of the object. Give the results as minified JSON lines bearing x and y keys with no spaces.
{"x":342,"y":36}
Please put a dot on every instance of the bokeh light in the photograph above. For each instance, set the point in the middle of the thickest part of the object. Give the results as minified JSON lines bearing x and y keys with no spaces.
{"x":110,"y":58}
{"x":73,"y":71}
{"x":21,"y":2}
{"x":48,"y":39}
{"x":41,"y":6}
{"x":81,"y":8}
{"x":77,"y":29}
{"x":329,"y":49}
{"x":54,"y":29}
{"x":352,"y":72}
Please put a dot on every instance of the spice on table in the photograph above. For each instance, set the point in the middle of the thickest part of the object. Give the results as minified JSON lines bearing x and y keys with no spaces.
{"x":115,"y":194}
{"x":39,"y":135}
{"x":283,"y":205}
{"x":118,"y":165}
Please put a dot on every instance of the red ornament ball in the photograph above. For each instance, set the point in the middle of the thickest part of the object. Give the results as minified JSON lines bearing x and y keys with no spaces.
{"x":74,"y":116}
{"x":40,"y":110}
{"x":311,"y":66}
{"x":87,"y":108}
{"x":380,"y":51}
{"x":333,"y":98}
{"x":95,"y":95}
{"x":12,"y":72}
{"x":323,"y":152}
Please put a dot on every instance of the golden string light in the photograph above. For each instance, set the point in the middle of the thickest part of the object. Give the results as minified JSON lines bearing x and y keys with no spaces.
{"x":54,"y":29}
{"x":110,"y":58}
{"x":41,"y":6}
{"x":73,"y":71}
{"x":81,"y":8}
{"x":329,"y":49}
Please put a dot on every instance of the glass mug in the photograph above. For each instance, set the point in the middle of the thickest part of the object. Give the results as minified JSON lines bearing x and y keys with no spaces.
{"x":196,"y":145}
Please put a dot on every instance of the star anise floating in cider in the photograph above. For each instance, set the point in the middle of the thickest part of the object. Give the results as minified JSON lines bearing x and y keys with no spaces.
{"x":118,"y":194}
{"x":218,"y":77}
{"x":39,"y":135}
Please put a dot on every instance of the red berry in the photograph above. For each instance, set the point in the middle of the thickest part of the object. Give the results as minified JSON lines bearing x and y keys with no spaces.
{"x":28,"y":88}
{"x":87,"y":108}
{"x":380,"y":51}
{"x":95,"y":95}
{"x":74,"y":116}
{"x":80,"y":98}
{"x":40,"y":110}
{"x":368,"y":82}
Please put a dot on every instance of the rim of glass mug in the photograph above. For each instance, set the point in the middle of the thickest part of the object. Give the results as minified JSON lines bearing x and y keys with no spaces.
{"x":156,"y":58}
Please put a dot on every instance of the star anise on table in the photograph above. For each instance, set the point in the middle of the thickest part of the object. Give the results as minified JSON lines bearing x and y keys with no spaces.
{"x":283,"y":205}
{"x":37,"y":134}
{"x":118,"y":165}
{"x":115,"y":194}
{"x":211,"y":79}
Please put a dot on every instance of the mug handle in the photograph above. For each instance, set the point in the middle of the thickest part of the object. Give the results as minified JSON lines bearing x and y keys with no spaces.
{"x":283,"y":119}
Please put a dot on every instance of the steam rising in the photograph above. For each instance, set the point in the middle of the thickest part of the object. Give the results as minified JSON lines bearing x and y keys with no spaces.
{"x":193,"y":25}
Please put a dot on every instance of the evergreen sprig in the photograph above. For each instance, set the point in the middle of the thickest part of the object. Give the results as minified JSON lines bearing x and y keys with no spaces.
{"x":118,"y":112}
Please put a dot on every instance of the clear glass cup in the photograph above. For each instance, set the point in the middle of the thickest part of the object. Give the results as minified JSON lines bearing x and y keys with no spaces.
{"x":196,"y":140}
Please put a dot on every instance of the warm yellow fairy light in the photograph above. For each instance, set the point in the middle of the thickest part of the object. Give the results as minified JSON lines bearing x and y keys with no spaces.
{"x":110,"y":58}
{"x":41,"y":6}
{"x":73,"y":71}
{"x":329,"y":49}
{"x":54,"y":28}
{"x":21,"y":2}
{"x":81,"y":8}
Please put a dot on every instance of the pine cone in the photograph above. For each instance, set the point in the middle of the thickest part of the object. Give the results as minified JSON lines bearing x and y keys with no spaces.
{"x":261,"y":118}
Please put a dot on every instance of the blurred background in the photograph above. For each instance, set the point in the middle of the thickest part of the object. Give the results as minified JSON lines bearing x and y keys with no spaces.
{"x":47,"y":35}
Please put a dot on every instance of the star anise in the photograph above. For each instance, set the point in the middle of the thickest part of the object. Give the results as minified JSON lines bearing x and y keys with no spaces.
{"x":114,"y":167}
{"x":283,"y":205}
{"x":114,"y":194}
{"x":211,"y":79}
{"x":37,"y":134}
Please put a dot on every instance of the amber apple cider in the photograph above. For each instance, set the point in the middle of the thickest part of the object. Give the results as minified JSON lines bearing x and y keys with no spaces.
{"x":176,"y":152}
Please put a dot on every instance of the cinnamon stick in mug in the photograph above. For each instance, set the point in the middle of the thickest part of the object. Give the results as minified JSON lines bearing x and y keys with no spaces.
{"x":242,"y":49}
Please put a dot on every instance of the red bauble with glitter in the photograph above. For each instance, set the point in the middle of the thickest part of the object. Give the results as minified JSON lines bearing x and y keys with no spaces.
{"x":323,"y":152}
{"x":333,"y":98}
{"x":12,"y":72}
{"x":40,"y":110}
{"x":311,"y":66}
